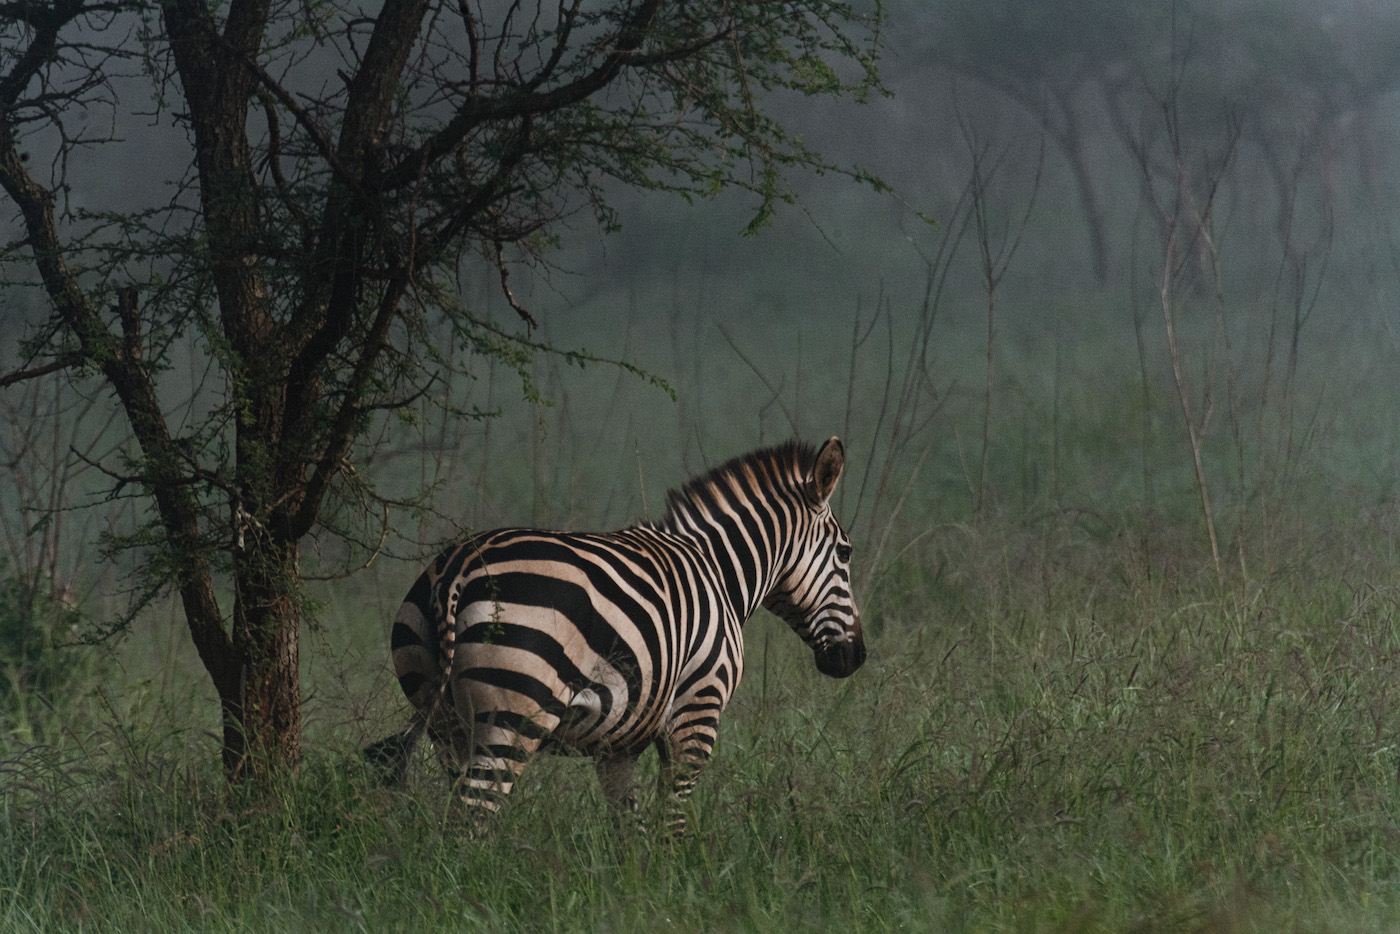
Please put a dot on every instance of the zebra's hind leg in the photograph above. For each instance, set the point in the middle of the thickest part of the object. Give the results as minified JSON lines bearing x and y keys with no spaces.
{"x":388,"y":758}
{"x":455,"y":745}
{"x":501,"y":744}
{"x":452,"y":744}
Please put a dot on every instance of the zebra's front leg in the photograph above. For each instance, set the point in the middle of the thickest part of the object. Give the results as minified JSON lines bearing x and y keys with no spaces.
{"x":683,"y":754}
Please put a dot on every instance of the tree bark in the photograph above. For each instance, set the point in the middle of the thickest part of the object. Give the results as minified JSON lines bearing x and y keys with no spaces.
{"x":262,"y":711}
{"x":261,"y":697}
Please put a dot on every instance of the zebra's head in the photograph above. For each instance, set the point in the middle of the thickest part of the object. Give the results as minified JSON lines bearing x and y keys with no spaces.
{"x":814,"y":594}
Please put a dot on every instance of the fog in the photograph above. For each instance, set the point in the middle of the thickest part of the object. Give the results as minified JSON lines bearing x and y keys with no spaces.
{"x":1225,"y":166}
{"x":1067,"y":184}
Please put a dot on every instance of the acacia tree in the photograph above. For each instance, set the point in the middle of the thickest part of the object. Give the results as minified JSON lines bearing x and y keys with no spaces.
{"x":343,"y":164}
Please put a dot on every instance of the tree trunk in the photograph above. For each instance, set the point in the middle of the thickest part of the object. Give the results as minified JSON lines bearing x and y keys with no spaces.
{"x":1089,"y":204}
{"x":262,"y":707}
{"x":1070,"y":138}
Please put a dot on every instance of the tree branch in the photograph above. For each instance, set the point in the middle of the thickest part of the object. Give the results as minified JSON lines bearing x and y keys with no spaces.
{"x":46,"y":23}
{"x":376,"y":82}
{"x":53,"y":366}
{"x":525,"y":316}
{"x":131,"y":380}
{"x":477,"y":111}
{"x":342,"y":432}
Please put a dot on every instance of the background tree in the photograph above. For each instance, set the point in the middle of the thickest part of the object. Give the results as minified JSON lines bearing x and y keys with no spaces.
{"x":339,"y":171}
{"x":1053,"y":61}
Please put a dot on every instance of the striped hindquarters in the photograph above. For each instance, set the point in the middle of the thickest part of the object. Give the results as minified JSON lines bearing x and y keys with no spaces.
{"x":524,"y":635}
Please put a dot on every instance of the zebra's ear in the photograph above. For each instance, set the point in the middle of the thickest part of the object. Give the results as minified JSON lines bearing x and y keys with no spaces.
{"x":831,"y":459}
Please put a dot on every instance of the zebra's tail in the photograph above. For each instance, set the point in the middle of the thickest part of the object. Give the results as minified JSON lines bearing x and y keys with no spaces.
{"x":388,"y":758}
{"x":423,"y":647}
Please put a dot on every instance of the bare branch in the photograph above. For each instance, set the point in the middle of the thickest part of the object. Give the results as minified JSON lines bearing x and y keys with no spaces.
{"x":53,"y":366}
{"x":342,"y":433}
{"x":477,"y":111}
{"x":501,"y":267}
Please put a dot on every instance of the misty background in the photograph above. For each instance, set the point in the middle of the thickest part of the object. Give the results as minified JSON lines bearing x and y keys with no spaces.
{"x":1127,"y":251}
{"x":1253,"y":138}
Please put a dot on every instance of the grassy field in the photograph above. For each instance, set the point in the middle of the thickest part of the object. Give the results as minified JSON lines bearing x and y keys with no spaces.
{"x":1053,"y":733}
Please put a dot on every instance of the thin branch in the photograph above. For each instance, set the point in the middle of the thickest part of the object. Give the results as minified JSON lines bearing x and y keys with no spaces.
{"x":342,"y":431}
{"x":502,"y":268}
{"x":53,"y":366}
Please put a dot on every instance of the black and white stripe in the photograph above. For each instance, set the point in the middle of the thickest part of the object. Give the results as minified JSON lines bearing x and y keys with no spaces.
{"x":606,"y":643}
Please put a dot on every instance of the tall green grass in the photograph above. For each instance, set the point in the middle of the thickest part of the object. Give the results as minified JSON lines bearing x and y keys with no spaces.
{"x":1053,"y":733}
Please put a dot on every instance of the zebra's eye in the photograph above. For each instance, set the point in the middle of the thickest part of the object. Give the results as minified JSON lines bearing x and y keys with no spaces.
{"x":843,"y":553}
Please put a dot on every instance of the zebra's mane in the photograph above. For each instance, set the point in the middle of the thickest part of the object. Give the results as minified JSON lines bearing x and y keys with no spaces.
{"x":788,"y":464}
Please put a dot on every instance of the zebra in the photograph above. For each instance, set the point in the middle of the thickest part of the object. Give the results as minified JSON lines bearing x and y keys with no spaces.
{"x":603,"y":644}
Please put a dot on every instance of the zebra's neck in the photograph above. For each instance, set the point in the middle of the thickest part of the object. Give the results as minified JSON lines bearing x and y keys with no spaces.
{"x":744,"y":515}
{"x":740,"y":556}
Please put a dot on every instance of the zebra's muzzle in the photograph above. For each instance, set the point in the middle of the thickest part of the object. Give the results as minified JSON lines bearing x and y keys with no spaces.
{"x":841,"y":659}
